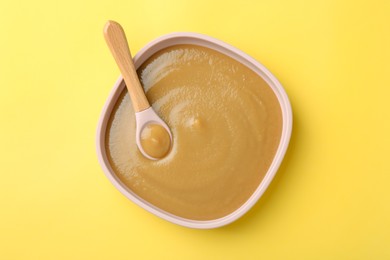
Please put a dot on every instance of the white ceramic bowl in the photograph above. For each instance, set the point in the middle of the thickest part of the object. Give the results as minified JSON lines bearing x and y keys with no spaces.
{"x":209,"y":42}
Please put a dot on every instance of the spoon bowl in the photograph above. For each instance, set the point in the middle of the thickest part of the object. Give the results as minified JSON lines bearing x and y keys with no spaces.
{"x":143,"y":119}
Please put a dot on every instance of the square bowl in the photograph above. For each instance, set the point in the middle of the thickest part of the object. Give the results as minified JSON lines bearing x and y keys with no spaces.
{"x":230,"y":51}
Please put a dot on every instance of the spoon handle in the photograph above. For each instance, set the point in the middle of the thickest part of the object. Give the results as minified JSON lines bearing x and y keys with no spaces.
{"x":117,"y":43}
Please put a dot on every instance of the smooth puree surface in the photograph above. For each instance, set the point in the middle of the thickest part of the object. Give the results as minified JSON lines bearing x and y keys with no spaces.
{"x":226,"y":124}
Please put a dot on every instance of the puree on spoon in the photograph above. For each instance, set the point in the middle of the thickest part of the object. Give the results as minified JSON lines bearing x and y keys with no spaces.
{"x":226,"y":124}
{"x":155,"y":140}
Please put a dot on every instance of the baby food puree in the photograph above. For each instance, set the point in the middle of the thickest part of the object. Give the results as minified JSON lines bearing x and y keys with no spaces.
{"x":226,"y":124}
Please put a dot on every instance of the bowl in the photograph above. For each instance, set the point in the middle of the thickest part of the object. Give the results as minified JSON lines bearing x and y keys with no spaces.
{"x":209,"y":42}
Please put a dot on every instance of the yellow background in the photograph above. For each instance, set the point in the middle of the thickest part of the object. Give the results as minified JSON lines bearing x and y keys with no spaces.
{"x":329,"y":200}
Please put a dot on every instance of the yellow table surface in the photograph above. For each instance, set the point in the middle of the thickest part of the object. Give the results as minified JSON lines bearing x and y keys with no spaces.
{"x":330,"y":198}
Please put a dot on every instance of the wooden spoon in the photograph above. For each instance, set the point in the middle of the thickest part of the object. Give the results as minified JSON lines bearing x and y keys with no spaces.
{"x":144,"y":113}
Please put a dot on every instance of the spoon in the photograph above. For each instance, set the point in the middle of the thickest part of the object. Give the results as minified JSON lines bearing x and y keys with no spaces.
{"x":153,"y":136}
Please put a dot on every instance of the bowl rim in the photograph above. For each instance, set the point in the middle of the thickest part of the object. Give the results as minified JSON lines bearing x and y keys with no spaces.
{"x":177,"y":38}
